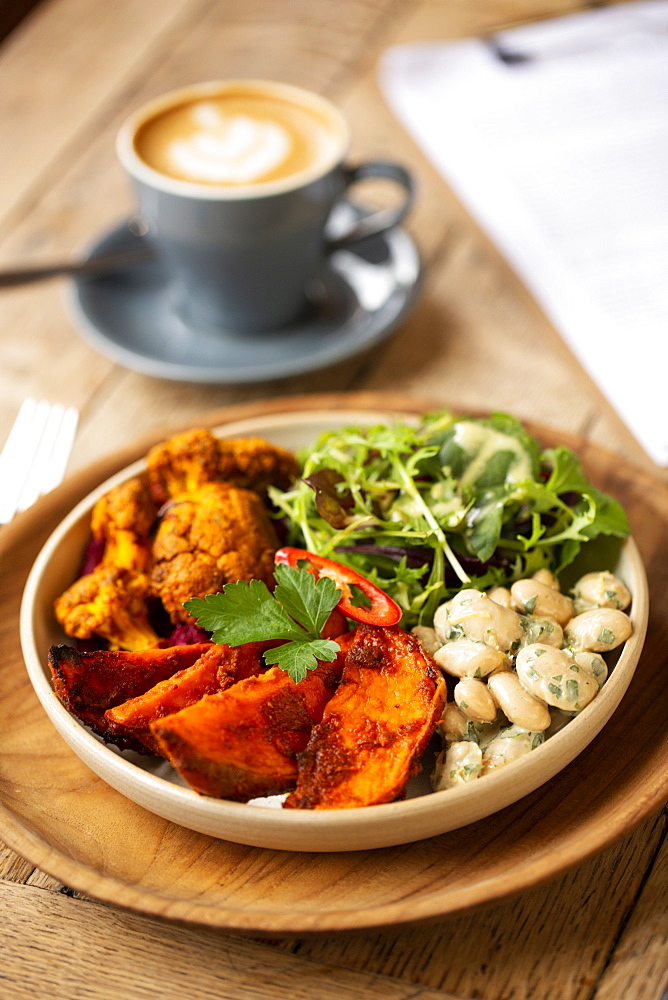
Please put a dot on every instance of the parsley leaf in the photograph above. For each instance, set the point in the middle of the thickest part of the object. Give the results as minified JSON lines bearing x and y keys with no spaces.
{"x":296,"y":612}
{"x":297,"y":658}
{"x":310,"y":604}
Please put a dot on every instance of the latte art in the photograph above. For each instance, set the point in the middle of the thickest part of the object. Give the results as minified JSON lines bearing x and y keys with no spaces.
{"x":236,"y":138}
{"x":232,"y":149}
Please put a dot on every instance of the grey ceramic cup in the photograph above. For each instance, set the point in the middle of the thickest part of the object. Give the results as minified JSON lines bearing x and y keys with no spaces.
{"x":242,"y":259}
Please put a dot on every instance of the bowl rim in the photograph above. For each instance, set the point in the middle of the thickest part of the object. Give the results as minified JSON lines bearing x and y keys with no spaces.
{"x":156,"y":791}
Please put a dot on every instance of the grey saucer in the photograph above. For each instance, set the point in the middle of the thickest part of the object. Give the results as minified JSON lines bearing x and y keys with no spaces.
{"x":359,"y":300}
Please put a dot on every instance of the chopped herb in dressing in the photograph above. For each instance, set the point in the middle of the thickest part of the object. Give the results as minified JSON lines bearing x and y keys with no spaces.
{"x":572,"y":690}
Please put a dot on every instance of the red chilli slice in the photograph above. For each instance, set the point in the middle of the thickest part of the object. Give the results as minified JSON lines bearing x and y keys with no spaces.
{"x":383,"y":611}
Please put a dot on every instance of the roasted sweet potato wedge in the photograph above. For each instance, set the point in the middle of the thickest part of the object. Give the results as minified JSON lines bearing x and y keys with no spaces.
{"x":375,"y":728}
{"x":243,"y":742}
{"x":90,"y":683}
{"x":216,"y":670}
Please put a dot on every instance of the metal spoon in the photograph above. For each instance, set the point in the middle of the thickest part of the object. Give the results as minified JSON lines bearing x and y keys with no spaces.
{"x":93,"y":265}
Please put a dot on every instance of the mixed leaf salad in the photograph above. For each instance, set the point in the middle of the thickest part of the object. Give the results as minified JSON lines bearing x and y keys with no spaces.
{"x":425,"y":510}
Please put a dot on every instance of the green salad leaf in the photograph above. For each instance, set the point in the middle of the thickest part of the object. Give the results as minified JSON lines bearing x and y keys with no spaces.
{"x":425,"y":508}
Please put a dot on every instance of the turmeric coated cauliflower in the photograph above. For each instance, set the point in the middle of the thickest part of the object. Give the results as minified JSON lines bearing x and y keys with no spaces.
{"x":216,"y":535}
{"x":123,"y":518}
{"x":189,"y":460}
{"x":212,"y":528}
{"x":111,"y":600}
{"x":182,"y":464}
{"x":255,"y":464}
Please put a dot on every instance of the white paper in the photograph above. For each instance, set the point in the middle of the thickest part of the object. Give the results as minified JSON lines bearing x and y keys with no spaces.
{"x":555,"y":136}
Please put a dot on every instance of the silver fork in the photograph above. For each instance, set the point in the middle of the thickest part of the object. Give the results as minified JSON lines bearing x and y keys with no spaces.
{"x":35,"y":456}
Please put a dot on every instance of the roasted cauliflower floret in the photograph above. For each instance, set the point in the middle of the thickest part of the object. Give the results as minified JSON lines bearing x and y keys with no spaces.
{"x":123,"y":518}
{"x":109,"y":602}
{"x":216,"y":535}
{"x":182,"y":464}
{"x":188,"y":461}
{"x":255,"y":464}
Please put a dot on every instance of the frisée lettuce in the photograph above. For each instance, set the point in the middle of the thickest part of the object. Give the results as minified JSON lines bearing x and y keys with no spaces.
{"x":425,"y":509}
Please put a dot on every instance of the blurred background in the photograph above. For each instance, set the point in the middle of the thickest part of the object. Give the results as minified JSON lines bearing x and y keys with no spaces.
{"x":71,"y":70}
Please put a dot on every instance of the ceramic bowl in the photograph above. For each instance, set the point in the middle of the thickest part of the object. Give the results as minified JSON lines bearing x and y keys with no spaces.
{"x":154,"y":785}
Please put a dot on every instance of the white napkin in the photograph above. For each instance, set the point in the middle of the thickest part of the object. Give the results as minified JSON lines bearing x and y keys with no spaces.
{"x":555,"y":136}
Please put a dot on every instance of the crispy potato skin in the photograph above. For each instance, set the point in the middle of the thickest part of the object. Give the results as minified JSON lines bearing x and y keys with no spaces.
{"x":216,"y":535}
{"x":90,"y":683}
{"x":217,"y":669}
{"x":243,"y":742}
{"x":375,"y":728}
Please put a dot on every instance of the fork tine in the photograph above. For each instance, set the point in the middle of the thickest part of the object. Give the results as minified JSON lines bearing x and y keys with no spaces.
{"x":13,"y":469}
{"x":35,"y":455}
{"x":44,"y":434}
{"x":54,"y":471}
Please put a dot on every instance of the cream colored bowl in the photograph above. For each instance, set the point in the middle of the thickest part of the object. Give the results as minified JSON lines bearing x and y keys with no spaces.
{"x":153,"y":784}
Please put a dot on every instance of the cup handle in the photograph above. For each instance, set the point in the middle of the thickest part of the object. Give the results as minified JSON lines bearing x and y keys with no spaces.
{"x":384,"y":219}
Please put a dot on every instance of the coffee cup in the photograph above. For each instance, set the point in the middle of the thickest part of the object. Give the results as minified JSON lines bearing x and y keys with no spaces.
{"x":236,"y":182}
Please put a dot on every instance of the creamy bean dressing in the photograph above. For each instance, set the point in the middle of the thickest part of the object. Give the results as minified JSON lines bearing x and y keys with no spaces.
{"x":483,"y":442}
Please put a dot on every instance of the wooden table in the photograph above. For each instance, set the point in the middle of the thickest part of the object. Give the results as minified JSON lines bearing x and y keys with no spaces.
{"x":68,"y":77}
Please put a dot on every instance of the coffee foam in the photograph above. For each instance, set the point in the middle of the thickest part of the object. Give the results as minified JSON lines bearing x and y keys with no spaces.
{"x":228,"y":149}
{"x":245,"y":136}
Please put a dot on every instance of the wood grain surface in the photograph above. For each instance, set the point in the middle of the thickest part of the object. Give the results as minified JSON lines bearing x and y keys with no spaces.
{"x":476,"y":340}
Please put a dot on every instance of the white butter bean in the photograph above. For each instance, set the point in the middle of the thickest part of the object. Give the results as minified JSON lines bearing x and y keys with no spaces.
{"x":554,"y":676}
{"x":502,"y":596}
{"x":547,"y":578}
{"x":517,"y":704}
{"x":542,"y":630}
{"x":465,"y":658}
{"x":472,"y":615}
{"x":460,"y":763}
{"x":474,"y":700}
{"x":454,"y":724}
{"x":534,"y":598}
{"x":599,"y":629}
{"x":511,"y":743}
{"x":600,"y":590}
{"x":427,"y":637}
{"x":441,"y":623}
{"x":594,"y":663}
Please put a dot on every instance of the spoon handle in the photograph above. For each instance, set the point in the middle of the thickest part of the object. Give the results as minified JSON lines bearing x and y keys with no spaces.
{"x":94,"y":265}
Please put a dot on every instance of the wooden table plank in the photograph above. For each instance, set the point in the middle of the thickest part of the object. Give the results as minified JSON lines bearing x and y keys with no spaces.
{"x":638,"y":967}
{"x":85,"y":949}
{"x":531,"y":948}
{"x":86,"y":49}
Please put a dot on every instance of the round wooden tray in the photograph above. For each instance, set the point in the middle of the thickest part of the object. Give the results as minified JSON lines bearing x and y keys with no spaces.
{"x":61,"y":817}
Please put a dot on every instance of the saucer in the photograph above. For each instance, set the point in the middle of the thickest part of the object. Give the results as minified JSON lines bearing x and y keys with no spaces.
{"x":361,"y":297}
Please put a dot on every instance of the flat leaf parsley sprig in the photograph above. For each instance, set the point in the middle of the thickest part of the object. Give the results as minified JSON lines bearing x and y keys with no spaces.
{"x":296,"y":612}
